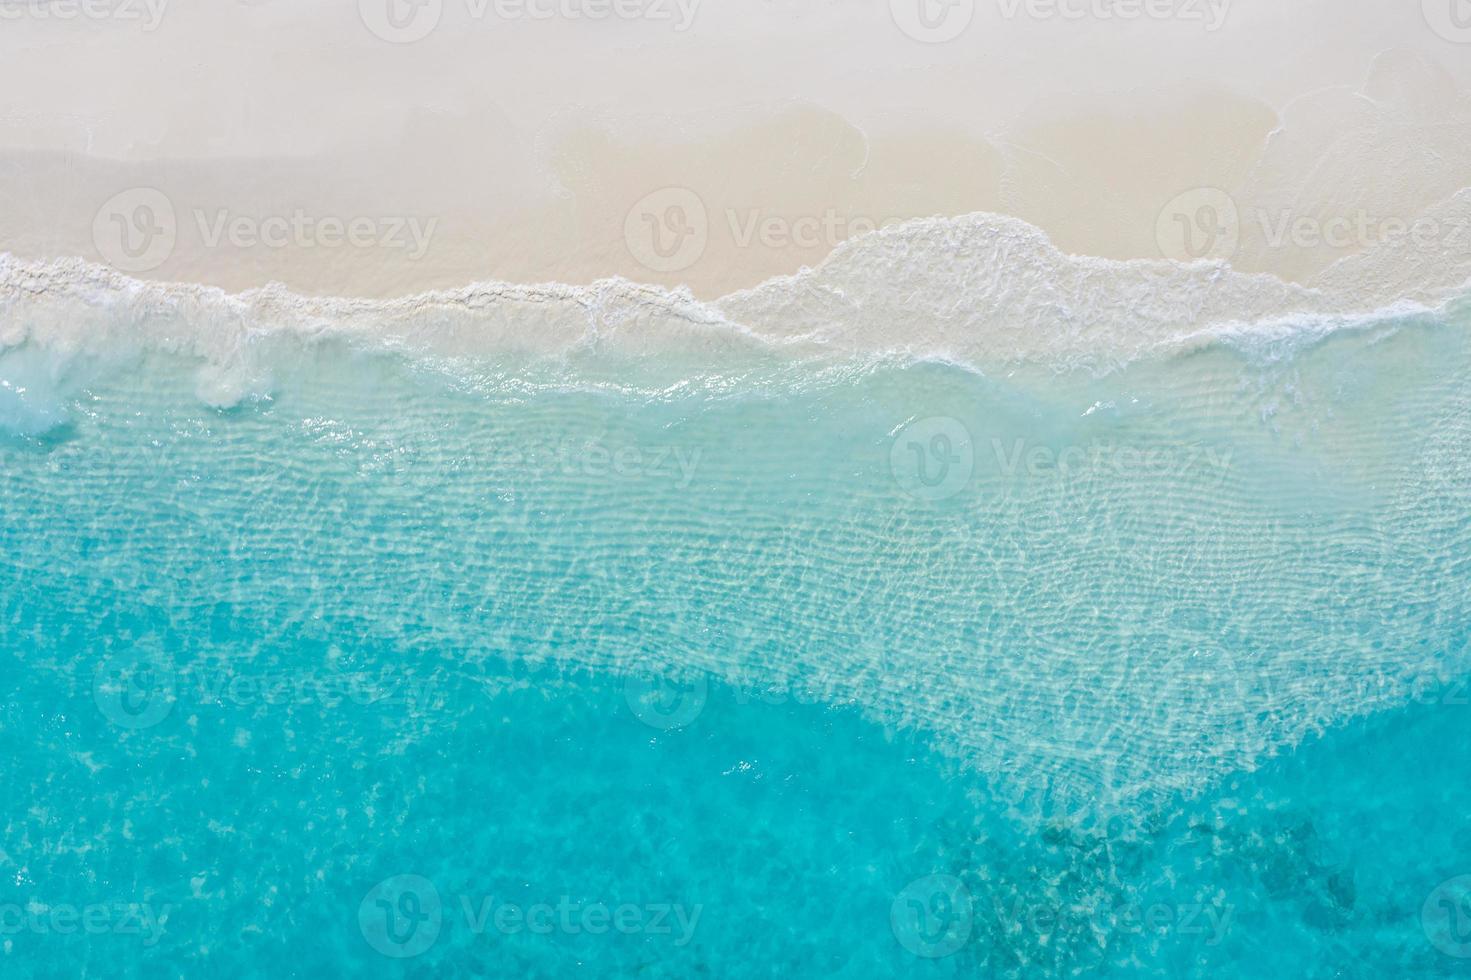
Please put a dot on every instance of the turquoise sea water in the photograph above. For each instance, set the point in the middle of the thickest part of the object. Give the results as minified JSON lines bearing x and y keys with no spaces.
{"x":861,"y":670}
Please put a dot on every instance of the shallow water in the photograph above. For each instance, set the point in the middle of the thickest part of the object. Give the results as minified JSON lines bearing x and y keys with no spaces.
{"x":873,"y":669}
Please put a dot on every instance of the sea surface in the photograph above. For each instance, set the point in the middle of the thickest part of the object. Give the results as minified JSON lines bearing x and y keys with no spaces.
{"x":738,"y":663}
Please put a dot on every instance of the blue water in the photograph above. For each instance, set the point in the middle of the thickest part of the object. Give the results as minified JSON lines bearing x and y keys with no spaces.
{"x":414,"y":669}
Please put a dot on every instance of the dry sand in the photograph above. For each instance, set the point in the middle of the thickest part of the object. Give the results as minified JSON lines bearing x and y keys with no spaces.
{"x":714,"y":145}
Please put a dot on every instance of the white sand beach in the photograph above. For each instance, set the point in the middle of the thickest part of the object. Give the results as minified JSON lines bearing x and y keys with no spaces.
{"x":382,"y":148}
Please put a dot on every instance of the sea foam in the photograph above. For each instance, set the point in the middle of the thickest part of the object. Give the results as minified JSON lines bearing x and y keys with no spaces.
{"x":983,"y":291}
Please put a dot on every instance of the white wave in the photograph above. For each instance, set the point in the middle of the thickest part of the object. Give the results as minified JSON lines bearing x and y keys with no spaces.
{"x":980,"y":290}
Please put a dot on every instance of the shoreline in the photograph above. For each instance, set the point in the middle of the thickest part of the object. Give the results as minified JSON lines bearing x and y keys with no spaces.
{"x":1037,"y":306}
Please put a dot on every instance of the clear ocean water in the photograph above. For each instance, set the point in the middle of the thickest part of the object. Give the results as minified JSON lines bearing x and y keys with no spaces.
{"x":404,"y":667}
